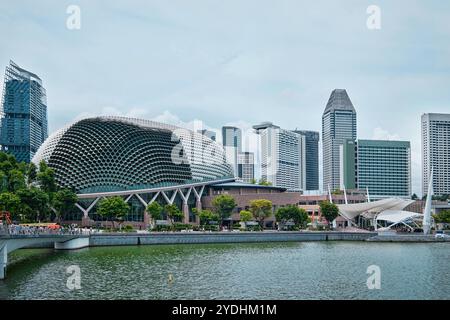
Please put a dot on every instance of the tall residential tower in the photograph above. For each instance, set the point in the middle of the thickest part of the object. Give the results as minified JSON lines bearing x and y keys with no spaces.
{"x":338,"y":125}
{"x":23,"y":113}
{"x":436,"y":152}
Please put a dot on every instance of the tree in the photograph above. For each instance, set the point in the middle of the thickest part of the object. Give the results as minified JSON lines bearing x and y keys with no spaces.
{"x":33,"y":204}
{"x":32,"y":173}
{"x":9,"y":202}
{"x":329,"y":211}
{"x":442,"y":217}
{"x":300,"y":217}
{"x":64,"y":201}
{"x":263,"y":182}
{"x":16,"y":180}
{"x":294,"y":214}
{"x":261,"y":209}
{"x":443,"y":197}
{"x":3,"y":182}
{"x":224,"y":205}
{"x":253,"y":181}
{"x":46,"y":178}
{"x":155,"y":210}
{"x":245,"y":215}
{"x":205,"y":216}
{"x":17,"y":177}
{"x":113,"y":208}
{"x":173,"y":212}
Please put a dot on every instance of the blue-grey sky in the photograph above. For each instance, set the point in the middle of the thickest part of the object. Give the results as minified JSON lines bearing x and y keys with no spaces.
{"x":237,"y":61}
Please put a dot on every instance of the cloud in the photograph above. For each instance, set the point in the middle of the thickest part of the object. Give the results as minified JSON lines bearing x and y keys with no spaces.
{"x":281,"y":65}
{"x":382,"y":134}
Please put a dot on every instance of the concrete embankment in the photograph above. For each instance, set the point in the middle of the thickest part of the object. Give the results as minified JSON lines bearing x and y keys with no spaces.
{"x":223,"y":237}
{"x":407,"y":238}
{"x":155,"y":238}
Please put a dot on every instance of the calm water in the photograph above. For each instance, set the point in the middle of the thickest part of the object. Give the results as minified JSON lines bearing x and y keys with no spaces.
{"x":308,"y":270}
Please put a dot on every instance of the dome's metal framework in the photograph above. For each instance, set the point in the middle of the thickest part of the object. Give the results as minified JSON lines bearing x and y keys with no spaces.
{"x":106,"y":154}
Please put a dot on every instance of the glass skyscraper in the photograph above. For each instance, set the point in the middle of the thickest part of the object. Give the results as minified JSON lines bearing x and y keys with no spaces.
{"x":312,"y":158}
{"x":338,"y":125}
{"x":23,"y":113}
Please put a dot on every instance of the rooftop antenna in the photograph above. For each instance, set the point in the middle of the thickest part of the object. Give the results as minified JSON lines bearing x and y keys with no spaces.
{"x":329,"y":194}
{"x":427,"y":210}
{"x":345,"y":195}
{"x":367,"y":193}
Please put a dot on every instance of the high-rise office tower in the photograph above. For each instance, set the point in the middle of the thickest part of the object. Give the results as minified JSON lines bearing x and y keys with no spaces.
{"x":384,"y":167}
{"x":348,"y":161}
{"x":436,"y":152}
{"x":23,"y":113}
{"x":246,"y":166}
{"x":232,"y":144}
{"x":208,"y":133}
{"x":338,"y":124}
{"x":282,"y":157}
{"x":312,"y":158}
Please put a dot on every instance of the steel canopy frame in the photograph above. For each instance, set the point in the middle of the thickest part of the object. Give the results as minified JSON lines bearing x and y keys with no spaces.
{"x":193,"y":188}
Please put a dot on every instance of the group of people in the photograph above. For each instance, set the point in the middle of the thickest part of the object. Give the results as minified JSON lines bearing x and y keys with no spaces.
{"x":17,"y":230}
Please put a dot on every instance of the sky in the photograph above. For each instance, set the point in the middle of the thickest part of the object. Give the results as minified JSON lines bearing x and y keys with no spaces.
{"x":237,"y":62}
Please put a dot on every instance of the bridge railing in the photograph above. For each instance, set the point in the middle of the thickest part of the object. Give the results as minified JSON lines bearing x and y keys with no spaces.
{"x":18,"y":230}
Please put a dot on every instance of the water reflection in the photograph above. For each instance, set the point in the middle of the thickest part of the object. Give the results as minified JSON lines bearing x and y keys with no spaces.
{"x":307,"y":270}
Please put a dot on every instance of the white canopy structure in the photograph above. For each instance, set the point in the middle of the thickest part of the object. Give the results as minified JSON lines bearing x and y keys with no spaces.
{"x":393,"y":218}
{"x":389,"y":213}
{"x":351,"y":211}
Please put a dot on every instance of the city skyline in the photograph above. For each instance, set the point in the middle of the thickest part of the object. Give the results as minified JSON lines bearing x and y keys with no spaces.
{"x":228,"y":74}
{"x":247,"y":142}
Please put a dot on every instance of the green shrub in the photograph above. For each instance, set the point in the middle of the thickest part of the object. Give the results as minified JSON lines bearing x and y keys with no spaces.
{"x":254,"y":228}
{"x":211,"y":227}
{"x":162,"y":228}
{"x":181,"y":226}
{"x":128,"y":228}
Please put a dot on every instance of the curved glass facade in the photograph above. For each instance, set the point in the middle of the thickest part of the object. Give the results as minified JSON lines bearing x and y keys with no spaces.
{"x":105,"y":154}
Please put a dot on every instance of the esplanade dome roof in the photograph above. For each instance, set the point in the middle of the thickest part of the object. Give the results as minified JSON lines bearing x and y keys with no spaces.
{"x":110,"y":153}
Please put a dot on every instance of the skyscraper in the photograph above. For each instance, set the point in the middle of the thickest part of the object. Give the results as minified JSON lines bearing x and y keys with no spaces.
{"x":338,"y":124}
{"x":282,"y":157}
{"x":23,"y":113}
{"x":384,"y":167}
{"x":312,"y":158}
{"x":246,"y":166}
{"x":232,"y":144}
{"x":436,"y":152}
{"x":348,"y":162}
